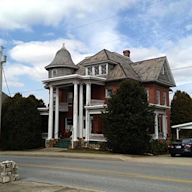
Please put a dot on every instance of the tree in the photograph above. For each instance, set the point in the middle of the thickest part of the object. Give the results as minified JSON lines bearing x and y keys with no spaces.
{"x":181,"y":108}
{"x":21,"y":123}
{"x":128,"y":119}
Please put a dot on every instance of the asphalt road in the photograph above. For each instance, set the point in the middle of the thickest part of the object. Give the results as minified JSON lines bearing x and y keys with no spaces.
{"x":105,"y":175}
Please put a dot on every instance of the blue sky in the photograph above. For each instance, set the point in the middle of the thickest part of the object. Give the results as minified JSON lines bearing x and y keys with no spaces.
{"x":33,"y":30}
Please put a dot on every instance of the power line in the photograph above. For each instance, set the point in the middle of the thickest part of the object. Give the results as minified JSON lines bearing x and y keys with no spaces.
{"x":31,"y":90}
{"x":179,"y":68}
{"x":6,"y":82}
{"x":93,"y":22}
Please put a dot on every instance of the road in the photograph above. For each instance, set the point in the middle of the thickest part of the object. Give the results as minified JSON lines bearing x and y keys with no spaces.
{"x":105,"y":175}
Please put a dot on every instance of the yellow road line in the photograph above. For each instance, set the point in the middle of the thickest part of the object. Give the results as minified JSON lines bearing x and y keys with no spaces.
{"x":110,"y":173}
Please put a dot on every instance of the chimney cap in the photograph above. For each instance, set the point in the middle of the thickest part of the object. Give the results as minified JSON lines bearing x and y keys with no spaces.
{"x":126,"y":53}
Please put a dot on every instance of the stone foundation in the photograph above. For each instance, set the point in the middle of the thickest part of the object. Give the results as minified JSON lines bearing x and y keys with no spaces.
{"x":8,"y":171}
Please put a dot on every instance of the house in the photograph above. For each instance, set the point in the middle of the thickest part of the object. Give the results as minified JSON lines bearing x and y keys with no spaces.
{"x":78,"y":93}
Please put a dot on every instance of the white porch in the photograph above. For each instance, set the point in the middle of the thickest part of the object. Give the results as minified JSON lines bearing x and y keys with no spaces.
{"x":81,"y":104}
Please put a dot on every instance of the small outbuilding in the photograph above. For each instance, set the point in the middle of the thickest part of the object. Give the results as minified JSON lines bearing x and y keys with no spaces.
{"x":186,"y":130}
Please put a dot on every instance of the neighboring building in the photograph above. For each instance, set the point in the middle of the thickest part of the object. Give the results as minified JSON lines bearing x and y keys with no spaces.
{"x":183,"y":130}
{"x":78,"y":93}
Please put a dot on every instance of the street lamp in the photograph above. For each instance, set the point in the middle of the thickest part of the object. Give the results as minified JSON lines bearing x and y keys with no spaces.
{"x":2,"y":60}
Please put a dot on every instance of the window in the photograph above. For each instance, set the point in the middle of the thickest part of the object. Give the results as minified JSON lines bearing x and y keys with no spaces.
{"x":164,"y":98}
{"x":89,"y":70}
{"x":104,"y":69}
{"x":70,"y":98}
{"x":158,"y":97}
{"x":147,"y":92}
{"x":54,"y":72}
{"x":96,"y":70}
{"x":160,"y":125}
{"x":163,"y":70}
{"x":109,"y":93}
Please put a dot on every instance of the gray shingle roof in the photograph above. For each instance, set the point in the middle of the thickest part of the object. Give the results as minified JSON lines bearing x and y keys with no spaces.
{"x":62,"y":59}
{"x":121,"y":67}
{"x":150,"y":70}
{"x":104,"y":56}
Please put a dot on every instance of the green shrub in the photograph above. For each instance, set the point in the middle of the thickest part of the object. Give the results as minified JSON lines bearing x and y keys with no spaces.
{"x":21,"y":124}
{"x":128,"y":119}
{"x":158,"y":147}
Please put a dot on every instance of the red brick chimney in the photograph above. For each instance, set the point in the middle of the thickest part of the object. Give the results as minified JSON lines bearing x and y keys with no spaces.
{"x":126,"y":53}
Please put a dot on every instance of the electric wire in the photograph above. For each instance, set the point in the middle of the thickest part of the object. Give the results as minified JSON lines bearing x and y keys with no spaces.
{"x":6,"y":82}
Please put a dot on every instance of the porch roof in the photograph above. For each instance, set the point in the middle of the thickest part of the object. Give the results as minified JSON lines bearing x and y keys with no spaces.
{"x":183,"y":126}
{"x":72,"y":78}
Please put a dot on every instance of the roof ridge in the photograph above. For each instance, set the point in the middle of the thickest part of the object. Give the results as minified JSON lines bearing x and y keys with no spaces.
{"x":123,"y":69}
{"x":135,"y":71}
{"x":149,"y":59}
{"x":105,"y":50}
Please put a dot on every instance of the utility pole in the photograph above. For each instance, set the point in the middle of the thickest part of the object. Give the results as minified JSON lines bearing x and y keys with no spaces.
{"x":2,"y":60}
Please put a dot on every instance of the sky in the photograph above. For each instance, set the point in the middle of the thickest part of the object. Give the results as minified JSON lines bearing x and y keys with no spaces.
{"x":32,"y":31}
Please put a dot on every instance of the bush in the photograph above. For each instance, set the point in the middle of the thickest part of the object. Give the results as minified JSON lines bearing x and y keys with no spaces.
{"x":158,"y":147}
{"x":128,"y":119}
{"x":21,"y":124}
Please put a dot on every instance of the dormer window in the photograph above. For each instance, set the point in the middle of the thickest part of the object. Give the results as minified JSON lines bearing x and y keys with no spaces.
{"x":89,"y":70}
{"x":103,"y":69}
{"x":96,"y":70}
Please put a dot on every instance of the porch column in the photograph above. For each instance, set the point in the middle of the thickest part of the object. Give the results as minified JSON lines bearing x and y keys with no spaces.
{"x":156,"y":126}
{"x":164,"y":126}
{"x":75,"y":111}
{"x":81,"y":111}
{"x":50,"y":122}
{"x":57,"y":114}
{"x":177,"y":133}
{"x":87,"y":115}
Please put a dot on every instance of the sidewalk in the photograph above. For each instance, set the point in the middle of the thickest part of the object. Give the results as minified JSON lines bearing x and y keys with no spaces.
{"x":59,"y":152}
{"x":25,"y":186}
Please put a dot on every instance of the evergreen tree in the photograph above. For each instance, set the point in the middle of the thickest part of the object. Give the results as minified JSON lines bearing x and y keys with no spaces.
{"x":21,"y":123}
{"x":128,"y":119}
{"x":181,"y":108}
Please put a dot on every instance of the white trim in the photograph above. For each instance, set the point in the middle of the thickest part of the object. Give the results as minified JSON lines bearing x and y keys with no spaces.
{"x":74,"y":76}
{"x":50,"y":119}
{"x":75,"y":112}
{"x":96,"y":106}
{"x":183,"y":126}
{"x":160,"y":106}
{"x":81,"y":121}
{"x":57,"y":114}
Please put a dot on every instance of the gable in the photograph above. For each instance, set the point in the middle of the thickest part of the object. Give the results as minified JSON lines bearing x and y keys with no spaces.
{"x":151,"y":71}
{"x":165,"y":75}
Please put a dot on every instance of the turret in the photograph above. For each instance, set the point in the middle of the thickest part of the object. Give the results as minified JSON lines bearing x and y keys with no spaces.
{"x":62,"y":64}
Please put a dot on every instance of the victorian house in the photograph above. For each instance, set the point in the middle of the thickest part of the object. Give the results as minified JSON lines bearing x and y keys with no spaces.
{"x":78,"y":93}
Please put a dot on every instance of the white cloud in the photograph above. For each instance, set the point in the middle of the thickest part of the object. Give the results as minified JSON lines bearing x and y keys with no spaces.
{"x":30,"y":58}
{"x":161,"y":9}
{"x":2,"y":42}
{"x":138,"y":54}
{"x":22,"y":14}
{"x":179,"y":57}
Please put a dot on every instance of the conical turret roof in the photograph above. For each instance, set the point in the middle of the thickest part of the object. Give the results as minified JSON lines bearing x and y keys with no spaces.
{"x":62,"y":59}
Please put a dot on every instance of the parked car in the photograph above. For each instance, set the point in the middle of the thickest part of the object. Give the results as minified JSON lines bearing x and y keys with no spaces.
{"x":181,"y":147}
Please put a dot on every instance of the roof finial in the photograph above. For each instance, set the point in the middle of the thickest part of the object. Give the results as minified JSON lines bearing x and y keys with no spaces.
{"x":63,"y":46}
